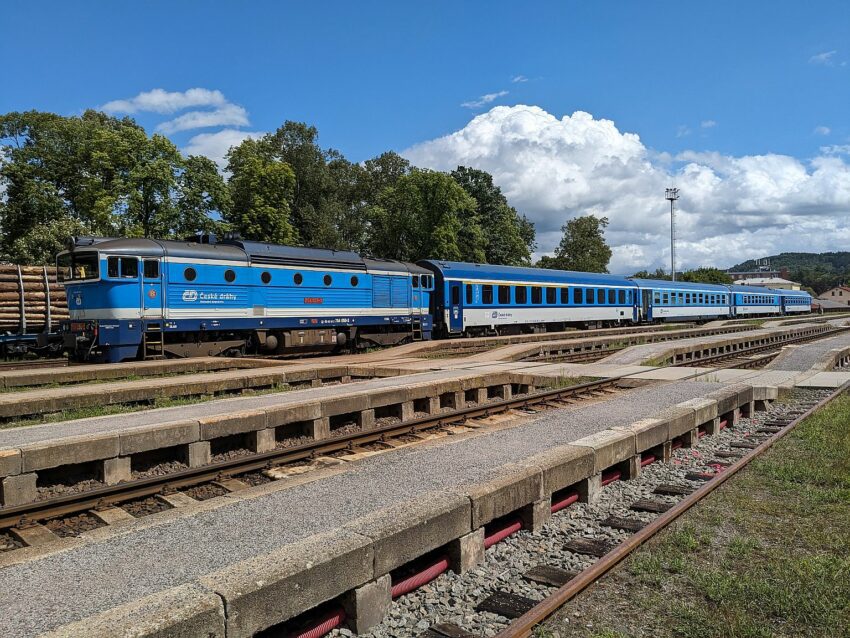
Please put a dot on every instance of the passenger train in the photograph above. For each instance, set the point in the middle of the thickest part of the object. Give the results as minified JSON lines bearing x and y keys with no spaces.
{"x":145,"y":298}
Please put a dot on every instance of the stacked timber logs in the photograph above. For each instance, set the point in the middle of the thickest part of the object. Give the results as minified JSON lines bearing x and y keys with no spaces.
{"x":30,"y":298}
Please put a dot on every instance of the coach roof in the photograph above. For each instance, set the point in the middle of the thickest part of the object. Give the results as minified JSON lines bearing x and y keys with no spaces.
{"x":678,"y":285}
{"x":490,"y":272}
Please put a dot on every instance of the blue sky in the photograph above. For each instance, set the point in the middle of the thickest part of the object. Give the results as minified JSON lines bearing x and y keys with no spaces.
{"x":701,"y":84}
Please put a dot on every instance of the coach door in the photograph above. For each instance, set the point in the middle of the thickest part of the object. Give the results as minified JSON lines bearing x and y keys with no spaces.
{"x":152,"y":288}
{"x":646,"y":304}
{"x":455,"y":310}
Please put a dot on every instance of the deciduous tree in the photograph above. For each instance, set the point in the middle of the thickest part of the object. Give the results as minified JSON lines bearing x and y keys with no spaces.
{"x":583,"y":247}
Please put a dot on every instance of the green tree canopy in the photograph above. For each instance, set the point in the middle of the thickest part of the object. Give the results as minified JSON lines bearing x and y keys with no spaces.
{"x":508,"y":237}
{"x":582,"y":248}
{"x":261,"y":189}
{"x":426,"y":214}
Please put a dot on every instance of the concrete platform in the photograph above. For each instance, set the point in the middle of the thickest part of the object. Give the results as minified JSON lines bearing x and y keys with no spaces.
{"x":824,"y":380}
{"x":267,"y":554}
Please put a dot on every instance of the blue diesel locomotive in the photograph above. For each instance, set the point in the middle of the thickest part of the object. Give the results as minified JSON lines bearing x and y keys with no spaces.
{"x":143,"y":298}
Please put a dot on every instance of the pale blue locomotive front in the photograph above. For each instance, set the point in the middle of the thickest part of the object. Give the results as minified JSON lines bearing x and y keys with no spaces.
{"x":144,"y":298}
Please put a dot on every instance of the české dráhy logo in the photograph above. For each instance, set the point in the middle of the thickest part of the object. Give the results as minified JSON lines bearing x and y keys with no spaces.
{"x":190,"y":295}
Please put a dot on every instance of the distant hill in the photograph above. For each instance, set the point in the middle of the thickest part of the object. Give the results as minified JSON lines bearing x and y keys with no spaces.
{"x":818,"y":271}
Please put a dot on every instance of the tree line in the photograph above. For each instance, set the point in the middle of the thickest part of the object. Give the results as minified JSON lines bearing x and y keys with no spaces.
{"x":100,"y":175}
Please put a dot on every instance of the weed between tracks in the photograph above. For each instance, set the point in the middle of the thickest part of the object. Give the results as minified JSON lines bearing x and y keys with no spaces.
{"x":768,"y":554}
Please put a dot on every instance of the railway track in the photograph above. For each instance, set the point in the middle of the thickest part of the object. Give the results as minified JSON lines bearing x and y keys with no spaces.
{"x":8,"y":366}
{"x":75,"y":503}
{"x":70,"y":504}
{"x":524,"y":624}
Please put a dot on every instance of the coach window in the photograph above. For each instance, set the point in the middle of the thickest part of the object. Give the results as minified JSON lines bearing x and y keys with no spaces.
{"x":189,"y":274}
{"x":266,"y":277}
{"x":520,"y":294}
{"x":468,"y":295}
{"x":666,"y":298}
{"x":565,"y":296}
{"x":536,"y":295}
{"x":612,"y":297}
{"x":229,"y":276}
{"x":589,"y":296}
{"x":551,"y":296}
{"x":151,"y":269}
{"x":504,"y":295}
{"x":578,"y":295}
{"x":656,"y":297}
{"x":298,"y":278}
{"x":456,"y":295}
{"x":622,"y":296}
{"x":600,"y":296}
{"x":487,"y":294}
{"x":354,"y":281}
{"x":687,"y":297}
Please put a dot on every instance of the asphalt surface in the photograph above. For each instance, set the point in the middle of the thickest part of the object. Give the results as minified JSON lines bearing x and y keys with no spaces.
{"x":57,"y":589}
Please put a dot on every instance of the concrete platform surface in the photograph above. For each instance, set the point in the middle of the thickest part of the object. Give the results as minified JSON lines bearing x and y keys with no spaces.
{"x":12,"y":437}
{"x":804,"y":357}
{"x":107,"y":569}
{"x":824,"y":380}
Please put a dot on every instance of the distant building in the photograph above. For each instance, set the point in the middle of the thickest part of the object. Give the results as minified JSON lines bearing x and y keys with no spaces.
{"x":839,"y":294}
{"x":761,"y":273}
{"x":769,"y":282}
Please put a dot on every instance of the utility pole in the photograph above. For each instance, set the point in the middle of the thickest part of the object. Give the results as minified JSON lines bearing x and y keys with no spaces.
{"x":672,"y":194}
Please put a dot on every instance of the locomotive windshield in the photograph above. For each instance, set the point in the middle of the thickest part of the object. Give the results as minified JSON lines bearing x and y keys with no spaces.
{"x":77,"y":266}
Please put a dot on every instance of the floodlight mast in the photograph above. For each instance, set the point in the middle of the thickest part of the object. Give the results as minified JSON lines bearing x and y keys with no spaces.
{"x":672,"y":194}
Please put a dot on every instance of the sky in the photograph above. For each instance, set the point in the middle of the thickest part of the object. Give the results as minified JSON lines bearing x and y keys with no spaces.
{"x":575,"y":107}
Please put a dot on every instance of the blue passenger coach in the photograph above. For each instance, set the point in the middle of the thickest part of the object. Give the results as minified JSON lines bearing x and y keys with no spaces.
{"x":480,"y":299}
{"x":144,"y":298}
{"x":682,"y":300}
{"x":794,"y":301}
{"x":754,"y":301}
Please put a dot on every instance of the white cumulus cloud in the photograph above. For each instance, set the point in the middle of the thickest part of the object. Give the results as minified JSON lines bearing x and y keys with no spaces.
{"x":215,"y":145}
{"x":484,"y":100}
{"x":161,"y":101}
{"x":227,"y":115}
{"x":822,"y":130}
{"x":827,"y":58}
{"x":708,"y":124}
{"x":730,"y":208}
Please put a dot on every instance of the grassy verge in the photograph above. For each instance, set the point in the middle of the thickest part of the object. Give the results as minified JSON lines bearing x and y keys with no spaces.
{"x":768,"y":554}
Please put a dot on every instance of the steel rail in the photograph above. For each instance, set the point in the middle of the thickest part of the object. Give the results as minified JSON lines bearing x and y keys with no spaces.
{"x":140,"y":488}
{"x":525,"y":624}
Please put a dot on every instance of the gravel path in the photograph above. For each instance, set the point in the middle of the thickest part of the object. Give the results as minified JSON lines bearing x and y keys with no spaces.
{"x":802,"y":358}
{"x":43,"y":594}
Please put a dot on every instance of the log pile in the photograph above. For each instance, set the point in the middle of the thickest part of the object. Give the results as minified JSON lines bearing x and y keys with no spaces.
{"x":38,"y":295}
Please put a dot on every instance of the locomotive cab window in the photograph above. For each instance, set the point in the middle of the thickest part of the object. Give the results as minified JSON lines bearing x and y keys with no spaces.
{"x":504,"y":295}
{"x":487,"y":294}
{"x":229,"y":276}
{"x":129,"y":268}
{"x":415,"y":281}
{"x":520,"y":294}
{"x":151,"y":269}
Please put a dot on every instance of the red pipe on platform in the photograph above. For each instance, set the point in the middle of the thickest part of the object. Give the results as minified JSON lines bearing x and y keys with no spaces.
{"x":610,"y":477}
{"x":497,"y":536}
{"x":647,"y":459}
{"x":424,"y":577}
{"x":572,"y":497}
{"x":324,"y":625}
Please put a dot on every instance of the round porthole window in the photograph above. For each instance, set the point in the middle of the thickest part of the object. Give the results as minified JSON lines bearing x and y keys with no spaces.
{"x":190,"y":274}
{"x":354,"y":280}
{"x":327,"y":279}
{"x":266,"y":277}
{"x":298,"y":279}
{"x":229,"y":276}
